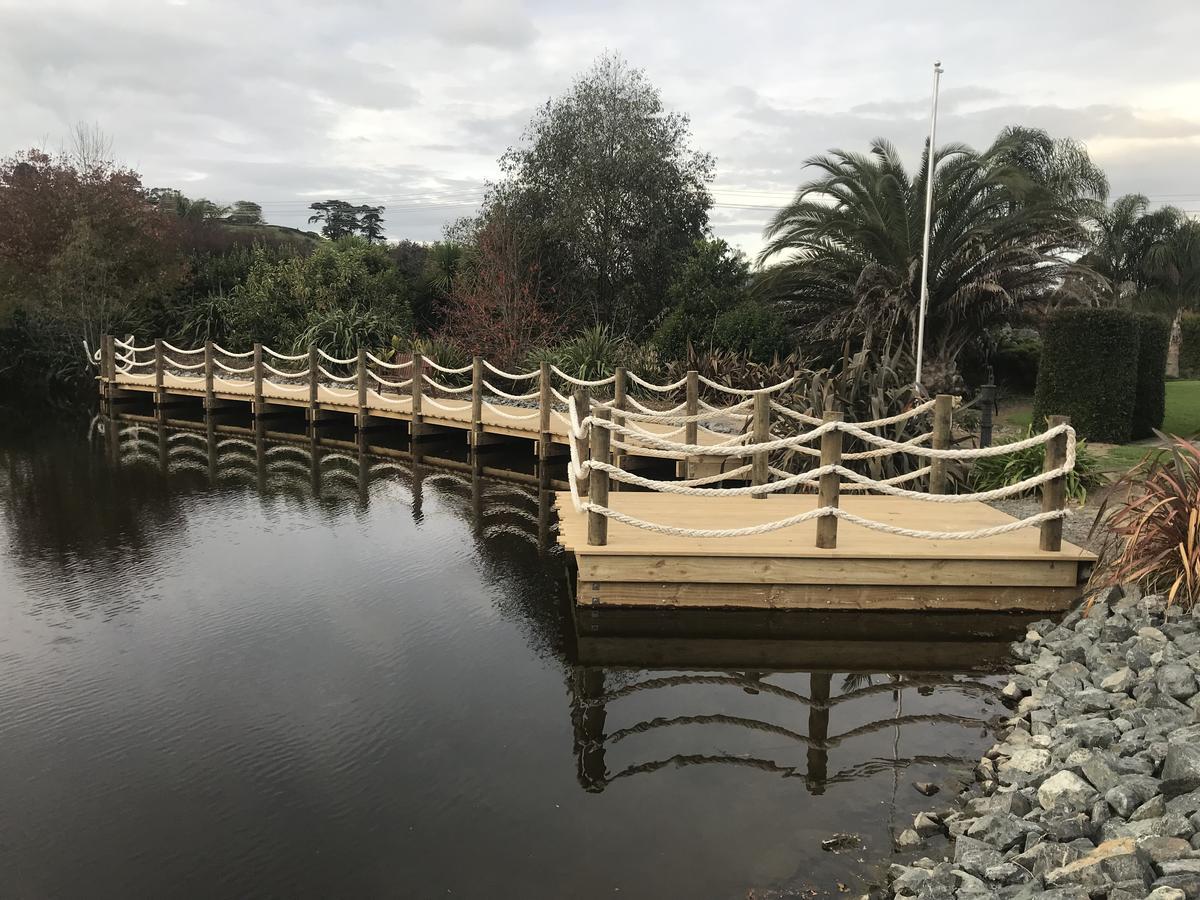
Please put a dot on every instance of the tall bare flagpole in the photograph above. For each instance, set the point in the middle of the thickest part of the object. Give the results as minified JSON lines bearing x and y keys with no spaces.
{"x":937,"y":77}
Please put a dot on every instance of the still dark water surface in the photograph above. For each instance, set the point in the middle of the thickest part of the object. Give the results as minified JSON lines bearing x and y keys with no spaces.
{"x":231,"y":670}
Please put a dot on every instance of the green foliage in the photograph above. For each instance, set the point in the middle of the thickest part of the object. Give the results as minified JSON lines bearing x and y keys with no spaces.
{"x":712,"y":281}
{"x":1150,"y":399}
{"x":1189,"y":346}
{"x":346,"y":287}
{"x":991,"y":472}
{"x":607,"y":189}
{"x":1089,"y":371}
{"x":593,"y":353}
{"x":754,"y":328}
{"x":341,"y":219}
{"x":1006,"y":222}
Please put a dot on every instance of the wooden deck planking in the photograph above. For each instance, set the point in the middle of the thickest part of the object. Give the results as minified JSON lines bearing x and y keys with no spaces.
{"x":785,"y":569}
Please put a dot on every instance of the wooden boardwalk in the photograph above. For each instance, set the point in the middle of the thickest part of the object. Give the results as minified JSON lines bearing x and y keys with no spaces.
{"x":737,"y":532}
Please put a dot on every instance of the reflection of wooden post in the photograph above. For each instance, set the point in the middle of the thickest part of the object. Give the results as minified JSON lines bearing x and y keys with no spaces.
{"x":476,"y":400}
{"x":360,"y":377}
{"x":364,"y":470}
{"x":260,"y":448}
{"x":209,"y":401}
{"x":818,"y":732}
{"x":476,"y":493}
{"x":211,"y":432}
{"x":258,"y":379}
{"x":314,"y":465}
{"x":418,"y":373}
{"x":164,"y":447}
{"x":545,"y":503}
{"x":761,"y":433}
{"x":830,"y":483}
{"x":545,"y":405}
{"x":943,"y":418}
{"x":588,"y":715}
{"x":583,"y":408}
{"x":1054,"y":491}
{"x":598,"y":482}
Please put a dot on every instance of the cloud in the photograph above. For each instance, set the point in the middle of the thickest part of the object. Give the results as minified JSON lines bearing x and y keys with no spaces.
{"x":499,"y":25}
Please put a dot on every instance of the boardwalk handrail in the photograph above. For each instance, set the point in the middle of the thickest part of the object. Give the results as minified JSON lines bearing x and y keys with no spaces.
{"x":586,"y":463}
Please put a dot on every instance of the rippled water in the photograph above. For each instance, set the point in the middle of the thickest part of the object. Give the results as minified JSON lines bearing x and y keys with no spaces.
{"x":233,"y":668}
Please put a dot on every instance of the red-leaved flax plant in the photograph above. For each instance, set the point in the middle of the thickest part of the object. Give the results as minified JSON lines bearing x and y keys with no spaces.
{"x":1153,"y":523}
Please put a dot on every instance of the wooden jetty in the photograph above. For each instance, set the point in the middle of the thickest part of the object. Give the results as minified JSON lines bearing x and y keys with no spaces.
{"x":736,"y":531}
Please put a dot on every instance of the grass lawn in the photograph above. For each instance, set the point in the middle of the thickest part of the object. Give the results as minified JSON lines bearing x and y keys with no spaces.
{"x":1182,"y":418}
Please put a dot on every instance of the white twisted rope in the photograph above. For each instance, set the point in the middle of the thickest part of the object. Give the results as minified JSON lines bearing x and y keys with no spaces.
{"x":561,"y":398}
{"x":651,"y":386}
{"x":284,"y":356}
{"x":221,"y":349}
{"x":286,"y":388}
{"x":335,"y":360}
{"x":510,"y":376}
{"x":670,"y":418}
{"x":434,"y":403}
{"x":445,"y":387}
{"x":747,"y":392}
{"x":641,"y":407}
{"x":582,"y":382}
{"x":395,"y":384}
{"x":174,"y":349}
{"x":338,"y":378}
{"x":495,"y":390}
{"x":500,"y":412}
{"x":230,"y":369}
{"x":274,"y":371}
{"x":447,"y":370}
{"x":387,"y":365}
{"x":168,"y":361}
{"x":579,"y":468}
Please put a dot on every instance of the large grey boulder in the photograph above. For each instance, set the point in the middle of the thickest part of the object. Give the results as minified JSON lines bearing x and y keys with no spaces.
{"x":1176,"y":680}
{"x":1181,"y":768}
{"x":1112,"y":861}
{"x":1131,"y":793}
{"x":975,"y":856}
{"x":1065,"y":791}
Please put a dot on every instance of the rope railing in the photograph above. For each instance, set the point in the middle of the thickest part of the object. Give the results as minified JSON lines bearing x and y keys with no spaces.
{"x":595,"y":433}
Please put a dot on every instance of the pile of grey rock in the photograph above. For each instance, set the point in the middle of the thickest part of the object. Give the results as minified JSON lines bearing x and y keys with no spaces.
{"x":1094,"y":789}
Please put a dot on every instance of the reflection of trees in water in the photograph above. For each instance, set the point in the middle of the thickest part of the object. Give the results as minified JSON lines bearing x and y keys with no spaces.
{"x":591,"y":700}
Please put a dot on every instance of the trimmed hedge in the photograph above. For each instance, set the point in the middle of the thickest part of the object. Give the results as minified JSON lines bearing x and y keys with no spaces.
{"x":1189,"y":348}
{"x":1150,"y":400}
{"x":1089,"y":372}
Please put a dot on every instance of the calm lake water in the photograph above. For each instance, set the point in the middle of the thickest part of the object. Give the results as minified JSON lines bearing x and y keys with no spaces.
{"x":234,"y":669}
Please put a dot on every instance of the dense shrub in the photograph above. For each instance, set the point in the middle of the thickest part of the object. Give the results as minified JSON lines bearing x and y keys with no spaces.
{"x":1088,"y":371}
{"x":754,"y":328}
{"x":1189,"y":349}
{"x":1150,"y":399}
{"x":991,"y":472}
{"x":1015,"y":360}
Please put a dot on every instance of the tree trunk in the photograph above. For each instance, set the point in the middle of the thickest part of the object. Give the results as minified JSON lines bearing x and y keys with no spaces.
{"x":1175,"y":344}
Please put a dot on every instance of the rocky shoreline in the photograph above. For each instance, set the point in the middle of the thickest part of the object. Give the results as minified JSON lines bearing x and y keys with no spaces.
{"x":1093,"y":790}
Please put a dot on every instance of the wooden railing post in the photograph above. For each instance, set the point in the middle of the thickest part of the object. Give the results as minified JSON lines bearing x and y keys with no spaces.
{"x":987,"y":408}
{"x":313,"y":381}
{"x":692,"y":406}
{"x":108,"y":357}
{"x":258,"y":379}
{"x":598,"y":483}
{"x":830,"y":483}
{"x":159,"y":372}
{"x":943,"y":420}
{"x":360,"y":380}
{"x":545,"y":405}
{"x":476,"y":400}
{"x":209,"y":399}
{"x":1054,"y":491}
{"x":760,"y":434}
{"x":418,"y":375}
{"x":620,"y":403}
{"x":583,"y":408}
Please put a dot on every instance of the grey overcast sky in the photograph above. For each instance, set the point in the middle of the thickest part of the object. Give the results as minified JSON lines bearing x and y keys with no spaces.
{"x":409,"y":104}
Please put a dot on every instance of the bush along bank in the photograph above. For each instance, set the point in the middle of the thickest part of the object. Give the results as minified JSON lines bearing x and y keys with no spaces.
{"x":1094,"y":788}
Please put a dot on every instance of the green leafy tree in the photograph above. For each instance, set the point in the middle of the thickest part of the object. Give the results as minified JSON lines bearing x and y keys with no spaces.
{"x":609,"y":192}
{"x":1121,"y":240}
{"x":371,"y":223}
{"x":245,"y":212}
{"x":1006,"y":225}
{"x":712,"y":280}
{"x":339,"y":219}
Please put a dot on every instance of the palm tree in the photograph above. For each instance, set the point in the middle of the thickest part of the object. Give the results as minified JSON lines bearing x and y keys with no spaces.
{"x":1172,"y":267}
{"x":1122,"y":238}
{"x":1006,"y":222}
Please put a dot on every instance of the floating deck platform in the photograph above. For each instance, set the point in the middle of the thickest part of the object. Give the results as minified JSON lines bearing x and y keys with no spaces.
{"x":868,"y":570}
